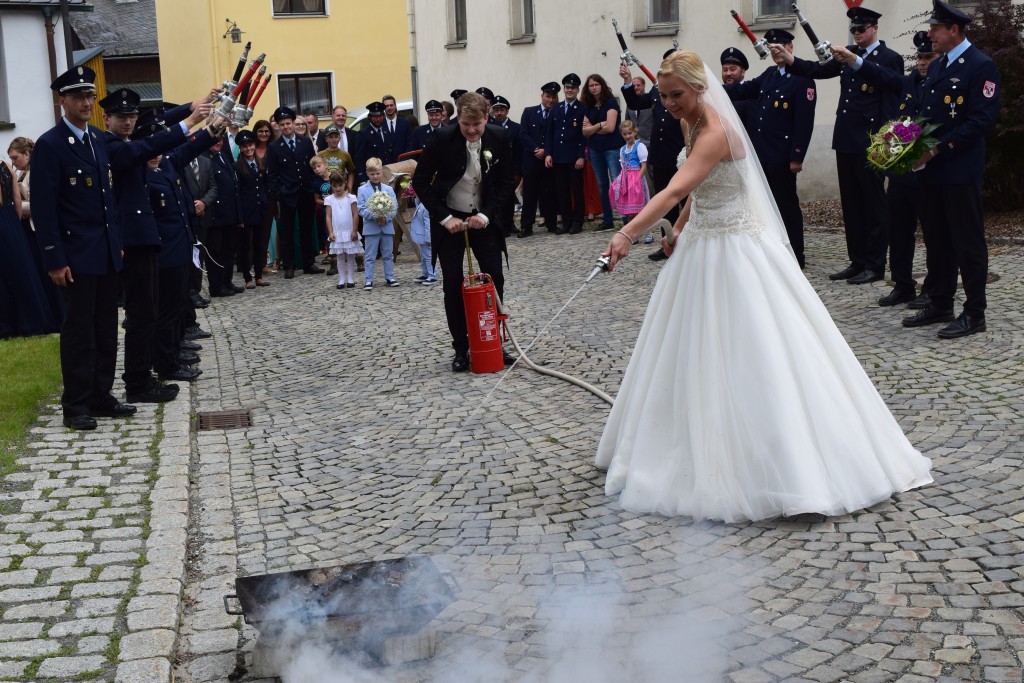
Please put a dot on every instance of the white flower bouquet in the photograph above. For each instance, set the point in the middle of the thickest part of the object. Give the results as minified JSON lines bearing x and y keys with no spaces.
{"x":381,"y":205}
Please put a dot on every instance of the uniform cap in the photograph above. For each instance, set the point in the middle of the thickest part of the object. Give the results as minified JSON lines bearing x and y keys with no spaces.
{"x":486,"y":92}
{"x":375,"y":108}
{"x":942,"y":13}
{"x":244,"y":137}
{"x":733,"y":56}
{"x":433,"y":106}
{"x":150,"y":122}
{"x":923,"y":43}
{"x":551,"y":87}
{"x":571,"y":80}
{"x":862,"y":16}
{"x":667,"y":53}
{"x":457,"y":93}
{"x":778,"y":36}
{"x":75,"y":79}
{"x":500,"y":101}
{"x":123,"y":101}
{"x":282,"y":113}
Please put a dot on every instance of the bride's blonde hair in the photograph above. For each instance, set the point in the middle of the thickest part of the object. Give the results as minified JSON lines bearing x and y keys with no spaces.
{"x":686,"y":65}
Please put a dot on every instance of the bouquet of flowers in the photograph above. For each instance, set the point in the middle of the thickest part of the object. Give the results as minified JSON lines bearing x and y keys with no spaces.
{"x":897,"y":145}
{"x":381,"y":205}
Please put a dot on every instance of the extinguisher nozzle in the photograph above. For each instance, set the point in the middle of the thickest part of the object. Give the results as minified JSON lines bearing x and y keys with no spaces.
{"x":602,"y":265}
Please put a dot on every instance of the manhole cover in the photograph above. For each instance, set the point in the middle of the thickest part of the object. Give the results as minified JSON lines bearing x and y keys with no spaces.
{"x":224,"y":419}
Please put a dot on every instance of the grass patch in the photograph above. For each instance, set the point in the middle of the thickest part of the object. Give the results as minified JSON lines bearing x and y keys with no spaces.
{"x":30,"y":367}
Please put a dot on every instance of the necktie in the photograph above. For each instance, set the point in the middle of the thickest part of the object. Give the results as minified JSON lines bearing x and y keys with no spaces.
{"x":88,"y":145}
{"x":252,"y":165}
{"x":545,"y":114}
{"x":391,"y":125}
{"x":291,"y":144}
{"x":566,"y":107}
{"x":195,"y":169}
{"x":944,"y":62}
{"x":473,"y":151}
{"x":375,"y":186}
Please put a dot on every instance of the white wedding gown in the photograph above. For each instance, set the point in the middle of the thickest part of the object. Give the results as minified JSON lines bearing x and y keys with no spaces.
{"x":742,"y":401}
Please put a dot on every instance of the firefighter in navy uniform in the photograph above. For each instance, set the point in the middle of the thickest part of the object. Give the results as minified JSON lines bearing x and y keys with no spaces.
{"x":76,"y":219}
{"x":903,"y":196}
{"x":537,"y":185}
{"x":499,"y":117}
{"x":667,"y":140}
{"x":863,"y":108}
{"x":564,"y":148}
{"x":435,"y":114}
{"x":961,"y":94}
{"x":781,"y":122}
{"x":734,"y":70}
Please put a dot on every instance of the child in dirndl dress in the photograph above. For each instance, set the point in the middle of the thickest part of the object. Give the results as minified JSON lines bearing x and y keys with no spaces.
{"x":629,"y":193}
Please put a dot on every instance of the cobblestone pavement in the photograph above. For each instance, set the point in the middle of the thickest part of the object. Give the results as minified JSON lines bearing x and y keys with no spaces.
{"x":365,"y":446}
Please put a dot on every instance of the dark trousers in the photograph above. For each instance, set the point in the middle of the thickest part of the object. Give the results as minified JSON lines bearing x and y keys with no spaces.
{"x":903,"y":202}
{"x":569,"y":193}
{"x":507,"y":216}
{"x":954,"y":237}
{"x":88,"y":342}
{"x":862,"y":193}
{"x":782,"y":183}
{"x":661,"y":175}
{"x":300,"y":213}
{"x":252,"y":251}
{"x":537,"y":186}
{"x":173,"y":294}
{"x":219,"y":266}
{"x":139,"y":279}
{"x":487,"y":246}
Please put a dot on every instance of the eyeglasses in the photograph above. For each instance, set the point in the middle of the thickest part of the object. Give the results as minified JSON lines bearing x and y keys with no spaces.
{"x":860,"y":29}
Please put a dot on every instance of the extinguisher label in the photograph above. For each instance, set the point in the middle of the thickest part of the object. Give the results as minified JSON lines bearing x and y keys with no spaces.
{"x":488,"y":322}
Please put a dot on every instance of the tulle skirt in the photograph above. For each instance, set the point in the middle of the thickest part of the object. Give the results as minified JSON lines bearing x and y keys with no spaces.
{"x":742,"y":400}
{"x":629,"y":192}
{"x":347,"y":247}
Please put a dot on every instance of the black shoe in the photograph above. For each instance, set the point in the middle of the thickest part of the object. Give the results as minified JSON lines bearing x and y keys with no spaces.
{"x":605,"y":226}
{"x":964,"y":325}
{"x":190,"y":346}
{"x":897,"y":296}
{"x":235,"y":288}
{"x":188,"y":358}
{"x":80,"y":422}
{"x":221,"y":292}
{"x":289,"y":273}
{"x":198,"y":301}
{"x":115,"y":409}
{"x":313,"y":270}
{"x":576,"y":229}
{"x":339,"y":286}
{"x":928,"y":316}
{"x":658,"y":255}
{"x":333,"y":270}
{"x":846,"y":273}
{"x":181,"y":374}
{"x":865,"y":276}
{"x":561,"y":231}
{"x":525,"y":232}
{"x":508,"y":358}
{"x":920,"y":302}
{"x":195,"y":332}
{"x":155,"y":393}
{"x":461,"y":361}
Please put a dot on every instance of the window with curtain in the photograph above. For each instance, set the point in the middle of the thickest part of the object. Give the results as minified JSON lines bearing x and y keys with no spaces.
{"x":766,"y":7}
{"x":663,"y":12}
{"x":457,"y":21}
{"x":284,"y":8}
{"x":305,"y":93}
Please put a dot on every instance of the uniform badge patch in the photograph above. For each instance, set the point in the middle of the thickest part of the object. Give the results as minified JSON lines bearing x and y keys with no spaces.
{"x":810,"y":94}
{"x":989,"y":89}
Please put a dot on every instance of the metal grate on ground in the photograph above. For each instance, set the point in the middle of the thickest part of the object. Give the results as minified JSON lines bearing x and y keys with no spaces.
{"x":223,"y":419}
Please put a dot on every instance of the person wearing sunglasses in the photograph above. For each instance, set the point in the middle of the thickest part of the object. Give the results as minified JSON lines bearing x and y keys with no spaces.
{"x":863,"y":108}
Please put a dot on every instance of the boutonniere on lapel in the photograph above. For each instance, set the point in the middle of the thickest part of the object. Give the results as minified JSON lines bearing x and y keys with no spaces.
{"x":488,"y":158}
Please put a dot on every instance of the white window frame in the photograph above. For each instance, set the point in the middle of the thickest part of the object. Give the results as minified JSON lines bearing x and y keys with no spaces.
{"x":523,"y":31}
{"x":454,"y":40}
{"x":760,"y":13}
{"x":332,"y":86}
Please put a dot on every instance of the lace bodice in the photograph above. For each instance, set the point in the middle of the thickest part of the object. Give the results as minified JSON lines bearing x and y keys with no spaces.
{"x":719,"y":206}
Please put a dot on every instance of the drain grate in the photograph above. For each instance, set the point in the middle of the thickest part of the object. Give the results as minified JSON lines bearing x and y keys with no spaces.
{"x":224,"y":419}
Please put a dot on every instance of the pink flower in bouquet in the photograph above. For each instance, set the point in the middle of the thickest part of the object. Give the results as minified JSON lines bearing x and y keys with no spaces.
{"x":408,"y":193}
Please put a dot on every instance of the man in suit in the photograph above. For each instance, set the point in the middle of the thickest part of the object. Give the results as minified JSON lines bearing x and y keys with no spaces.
{"x":292,"y":183}
{"x":464,"y":177}
{"x":643,"y":119}
{"x":961,"y":94}
{"x":565,"y":147}
{"x":313,"y":129}
{"x":398,"y":126}
{"x":200,"y":183}
{"x":537,"y":185}
{"x":340,"y":117}
{"x":375,"y":141}
{"x":499,"y":117}
{"x":435,"y":114}
{"x":76,"y":221}
{"x":666,"y":140}
{"x":862,"y":110}
{"x":225,"y":222}
{"x":780,"y":123}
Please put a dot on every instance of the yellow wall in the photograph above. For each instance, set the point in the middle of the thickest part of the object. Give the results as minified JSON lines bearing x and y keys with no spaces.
{"x":364,"y":44}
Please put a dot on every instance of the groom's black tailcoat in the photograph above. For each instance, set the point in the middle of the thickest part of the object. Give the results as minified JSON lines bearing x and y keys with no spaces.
{"x":441,"y":165}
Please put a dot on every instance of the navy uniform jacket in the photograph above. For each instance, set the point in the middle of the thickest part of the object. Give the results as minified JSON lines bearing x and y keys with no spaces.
{"x":171,"y":201}
{"x":227,"y":210}
{"x":782,"y":117}
{"x":863,"y":106}
{"x":252,"y":192}
{"x":565,"y":142}
{"x":963,"y":99}
{"x":420,"y":136}
{"x":373,"y":142}
{"x":289,"y":173}
{"x":666,"y":134}
{"x":73,"y":204}
{"x":512,"y":128}
{"x":533,"y":132}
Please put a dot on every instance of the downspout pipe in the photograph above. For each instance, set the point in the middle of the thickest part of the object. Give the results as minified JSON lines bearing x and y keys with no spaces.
{"x":410,"y":11}
{"x":51,"y":50}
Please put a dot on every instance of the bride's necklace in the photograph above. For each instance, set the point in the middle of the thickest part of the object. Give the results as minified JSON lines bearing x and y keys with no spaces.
{"x":693,"y":131}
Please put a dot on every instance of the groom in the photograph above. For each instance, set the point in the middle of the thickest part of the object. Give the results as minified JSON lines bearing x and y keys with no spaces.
{"x":464,"y":177}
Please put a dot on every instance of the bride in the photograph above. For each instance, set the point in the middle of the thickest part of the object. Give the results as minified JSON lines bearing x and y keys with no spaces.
{"x":742,"y":401}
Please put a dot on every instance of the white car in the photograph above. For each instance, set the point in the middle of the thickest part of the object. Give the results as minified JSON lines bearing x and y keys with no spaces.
{"x":357,"y":116}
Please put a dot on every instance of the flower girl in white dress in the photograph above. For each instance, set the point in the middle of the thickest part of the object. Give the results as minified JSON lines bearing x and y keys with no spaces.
{"x":742,"y":400}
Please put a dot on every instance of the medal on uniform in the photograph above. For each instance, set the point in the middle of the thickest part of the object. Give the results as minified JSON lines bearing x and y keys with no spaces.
{"x":73,"y":180}
{"x":88,"y":181}
{"x":776,"y":104}
{"x":947,"y":99}
{"x":960,"y":100}
{"x":785,"y":105}
{"x":864,"y":87}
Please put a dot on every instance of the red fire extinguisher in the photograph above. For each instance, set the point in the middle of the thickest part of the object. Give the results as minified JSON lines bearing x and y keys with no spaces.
{"x":483,"y":320}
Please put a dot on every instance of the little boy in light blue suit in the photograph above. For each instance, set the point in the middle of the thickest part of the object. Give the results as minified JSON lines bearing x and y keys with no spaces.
{"x":378,"y":233}
{"x":419,"y":230}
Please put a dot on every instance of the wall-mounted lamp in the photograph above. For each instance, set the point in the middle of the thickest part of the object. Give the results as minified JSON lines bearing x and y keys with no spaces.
{"x":234,"y":32}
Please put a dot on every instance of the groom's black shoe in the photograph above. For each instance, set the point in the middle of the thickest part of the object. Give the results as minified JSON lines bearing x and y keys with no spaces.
{"x":897,"y":296}
{"x":866,"y":276}
{"x":928,"y":316}
{"x":461,"y":361}
{"x":964,"y":325}
{"x":507,"y":358}
{"x":846,"y":273}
